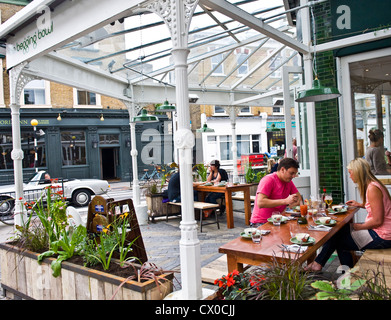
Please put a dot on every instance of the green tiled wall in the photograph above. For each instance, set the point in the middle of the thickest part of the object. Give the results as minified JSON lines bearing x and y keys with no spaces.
{"x":327,"y":114}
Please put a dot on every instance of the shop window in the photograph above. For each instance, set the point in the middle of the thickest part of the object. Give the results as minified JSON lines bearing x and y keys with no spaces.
{"x":109,"y":139}
{"x":27,"y":141}
{"x":73,"y":148}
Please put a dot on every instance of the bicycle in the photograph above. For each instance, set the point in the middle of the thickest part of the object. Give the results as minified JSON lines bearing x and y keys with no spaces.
{"x":155,"y":175}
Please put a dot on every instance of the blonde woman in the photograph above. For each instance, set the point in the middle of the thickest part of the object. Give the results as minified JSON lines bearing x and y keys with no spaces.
{"x":374,"y":233}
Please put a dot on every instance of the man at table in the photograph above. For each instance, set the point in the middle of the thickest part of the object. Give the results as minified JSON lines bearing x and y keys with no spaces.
{"x":275,"y":192}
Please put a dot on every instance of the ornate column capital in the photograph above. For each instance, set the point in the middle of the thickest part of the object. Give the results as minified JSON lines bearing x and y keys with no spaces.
{"x":18,"y":81}
{"x":177,"y":16}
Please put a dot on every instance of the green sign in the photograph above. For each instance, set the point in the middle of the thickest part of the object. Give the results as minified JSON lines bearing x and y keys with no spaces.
{"x":354,"y":17}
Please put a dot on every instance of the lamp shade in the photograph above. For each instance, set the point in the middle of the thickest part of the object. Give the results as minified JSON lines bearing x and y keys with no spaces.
{"x":145,"y":117}
{"x":205,"y":129}
{"x":166,"y":107}
{"x":318,"y":93}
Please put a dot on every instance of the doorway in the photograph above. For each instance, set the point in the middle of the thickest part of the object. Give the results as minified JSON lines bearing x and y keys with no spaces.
{"x":365,"y":104}
{"x":109,"y":163}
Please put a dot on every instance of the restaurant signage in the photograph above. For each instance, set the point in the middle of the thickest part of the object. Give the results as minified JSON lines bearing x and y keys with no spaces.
{"x":23,"y":122}
{"x":354,"y":17}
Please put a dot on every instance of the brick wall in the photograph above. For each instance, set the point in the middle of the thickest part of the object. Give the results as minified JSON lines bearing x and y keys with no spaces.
{"x":327,"y":112}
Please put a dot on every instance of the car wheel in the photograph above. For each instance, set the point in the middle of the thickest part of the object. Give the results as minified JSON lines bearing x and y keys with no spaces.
{"x":7,"y":204}
{"x":81,"y":198}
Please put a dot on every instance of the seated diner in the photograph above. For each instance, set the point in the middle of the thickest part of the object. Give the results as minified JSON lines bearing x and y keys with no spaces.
{"x":275,"y":192}
{"x":374,"y":233}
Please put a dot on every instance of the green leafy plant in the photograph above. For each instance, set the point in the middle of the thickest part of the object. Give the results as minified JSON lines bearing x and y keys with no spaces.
{"x":343,"y":289}
{"x":119,"y":228}
{"x":286,"y":281}
{"x":202,"y":171}
{"x":104,"y":250}
{"x":68,"y":245}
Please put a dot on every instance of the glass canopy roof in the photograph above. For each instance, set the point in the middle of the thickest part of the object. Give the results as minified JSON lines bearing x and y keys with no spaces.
{"x":224,"y":54}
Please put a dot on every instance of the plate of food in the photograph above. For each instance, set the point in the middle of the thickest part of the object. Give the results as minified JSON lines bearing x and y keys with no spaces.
{"x":303,"y":239}
{"x":208,"y":184}
{"x":248,"y":232}
{"x":326,"y":221}
{"x":338,"y":209}
{"x":283,"y":219}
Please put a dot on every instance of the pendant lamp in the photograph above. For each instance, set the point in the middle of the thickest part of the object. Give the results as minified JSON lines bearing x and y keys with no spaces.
{"x":318,"y":93}
{"x":166,"y":107}
{"x":145,"y":117}
{"x":205,"y":129}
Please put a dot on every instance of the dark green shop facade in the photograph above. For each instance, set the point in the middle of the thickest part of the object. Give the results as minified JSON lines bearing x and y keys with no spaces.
{"x":78,"y":144}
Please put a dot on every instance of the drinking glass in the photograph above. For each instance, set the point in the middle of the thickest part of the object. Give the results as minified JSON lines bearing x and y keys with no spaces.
{"x":293,"y":229}
{"x":303,"y":210}
{"x":315,"y":201}
{"x":276,"y":217}
{"x":256,"y":236}
{"x":328,"y":198}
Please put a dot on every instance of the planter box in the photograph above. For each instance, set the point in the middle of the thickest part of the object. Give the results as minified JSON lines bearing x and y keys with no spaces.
{"x":22,"y":276}
{"x":156,"y":207}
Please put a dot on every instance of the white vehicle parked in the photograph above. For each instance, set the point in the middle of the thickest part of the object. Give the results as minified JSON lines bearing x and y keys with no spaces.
{"x":77,"y":191}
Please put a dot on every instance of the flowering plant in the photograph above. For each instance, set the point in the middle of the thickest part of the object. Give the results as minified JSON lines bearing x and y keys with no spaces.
{"x":238,"y":286}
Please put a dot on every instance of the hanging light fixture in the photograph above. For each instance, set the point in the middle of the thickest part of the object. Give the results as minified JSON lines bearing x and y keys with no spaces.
{"x":205,"y":129}
{"x":59,"y":117}
{"x":317,"y":93}
{"x":101,"y":117}
{"x":145,"y":117}
{"x":166,"y":107}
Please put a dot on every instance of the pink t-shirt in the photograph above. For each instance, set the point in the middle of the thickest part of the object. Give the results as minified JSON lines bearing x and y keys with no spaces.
{"x":384,"y":231}
{"x":273,"y":188}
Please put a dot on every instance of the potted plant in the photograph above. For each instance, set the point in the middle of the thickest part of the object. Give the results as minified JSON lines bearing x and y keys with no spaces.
{"x":51,"y":259}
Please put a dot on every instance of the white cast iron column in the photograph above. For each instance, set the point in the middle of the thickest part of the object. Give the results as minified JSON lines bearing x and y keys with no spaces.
{"x":177,"y":16}
{"x":17,"y":82}
{"x":133,"y":111}
{"x":311,"y":119}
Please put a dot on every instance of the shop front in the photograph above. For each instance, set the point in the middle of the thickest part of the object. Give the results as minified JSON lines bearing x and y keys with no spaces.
{"x":83,"y":144}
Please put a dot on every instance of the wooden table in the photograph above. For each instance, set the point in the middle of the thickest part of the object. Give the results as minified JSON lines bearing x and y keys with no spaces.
{"x":227,"y":190}
{"x":243,"y":251}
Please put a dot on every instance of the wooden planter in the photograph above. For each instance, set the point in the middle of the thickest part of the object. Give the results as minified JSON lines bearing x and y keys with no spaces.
{"x":156,"y":207}
{"x":22,"y":276}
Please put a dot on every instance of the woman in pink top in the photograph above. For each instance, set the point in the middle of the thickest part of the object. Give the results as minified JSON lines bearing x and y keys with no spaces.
{"x":374,"y":233}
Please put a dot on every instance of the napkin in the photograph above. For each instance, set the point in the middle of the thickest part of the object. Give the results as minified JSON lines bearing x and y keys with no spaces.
{"x":294,"y":248}
{"x":320,"y":227}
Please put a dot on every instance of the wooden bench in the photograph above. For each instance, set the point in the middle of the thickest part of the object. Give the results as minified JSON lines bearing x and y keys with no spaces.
{"x":201,"y":206}
{"x":374,"y":261}
{"x":240,"y":196}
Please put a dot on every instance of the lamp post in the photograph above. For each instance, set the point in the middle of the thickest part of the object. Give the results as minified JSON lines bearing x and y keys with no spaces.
{"x":34,"y":123}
